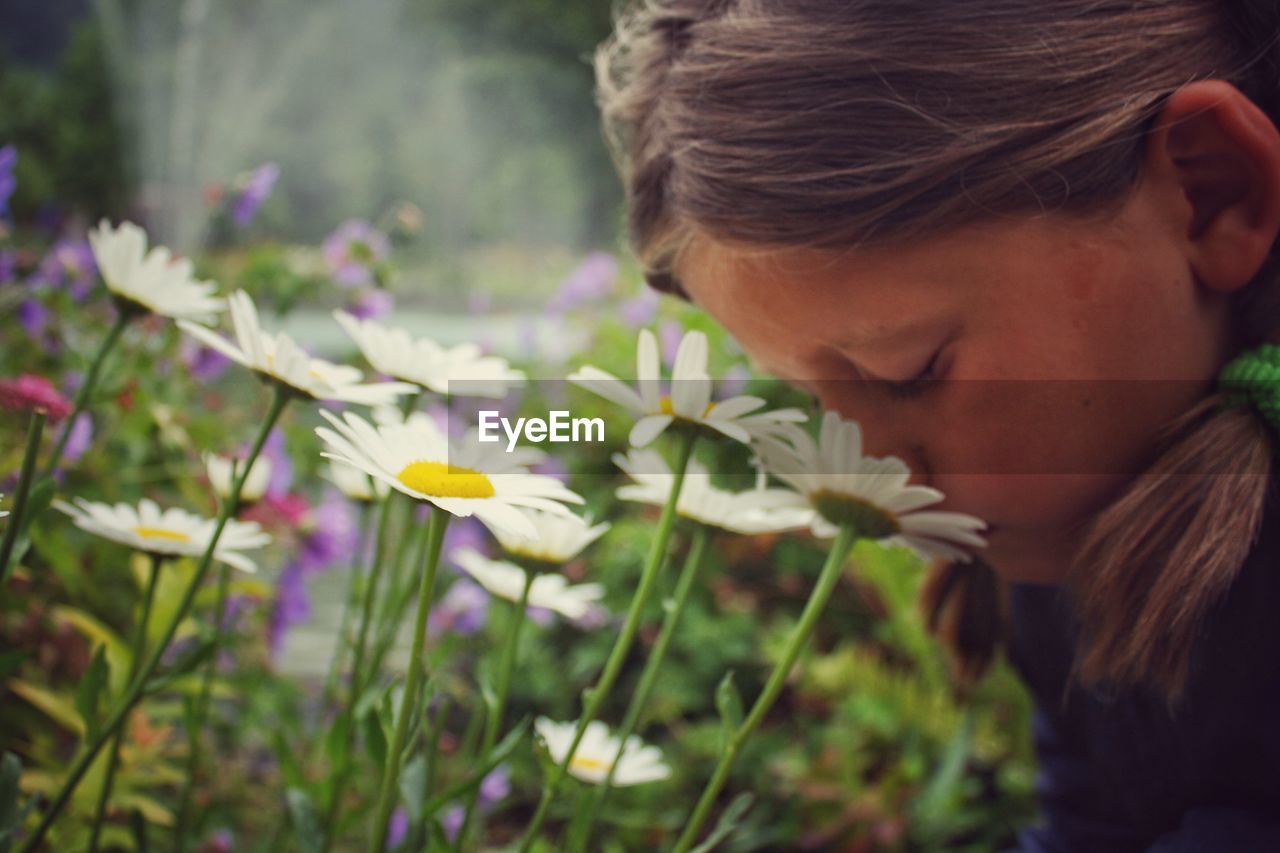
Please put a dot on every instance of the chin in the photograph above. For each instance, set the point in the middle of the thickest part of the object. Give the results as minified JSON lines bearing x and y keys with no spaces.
{"x":1025,"y":558}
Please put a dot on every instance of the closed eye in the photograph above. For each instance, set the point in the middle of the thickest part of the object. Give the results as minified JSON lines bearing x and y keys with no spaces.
{"x":915,"y":386}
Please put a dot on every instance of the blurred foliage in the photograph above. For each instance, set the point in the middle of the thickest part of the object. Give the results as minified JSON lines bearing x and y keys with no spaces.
{"x":63,"y":124}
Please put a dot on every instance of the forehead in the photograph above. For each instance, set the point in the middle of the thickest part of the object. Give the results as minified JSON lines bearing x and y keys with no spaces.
{"x":856,"y":293}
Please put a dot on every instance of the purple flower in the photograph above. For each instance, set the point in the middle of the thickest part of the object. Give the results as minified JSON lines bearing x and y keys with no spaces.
{"x":496,"y":786}
{"x":254,"y":191}
{"x":733,"y":381}
{"x":79,"y":439}
{"x":281,"y":464}
{"x":68,"y":264}
{"x":353,"y":250}
{"x":451,"y":821}
{"x":397,"y":827}
{"x":528,"y":337}
{"x":292,"y":606}
{"x":33,"y":317}
{"x":464,"y":609}
{"x":205,"y":364}
{"x":8,"y":265}
{"x":552,"y":466}
{"x":372,"y":303}
{"x":640,"y":309}
{"x":331,"y":534}
{"x":220,"y":841}
{"x":8,"y":183}
{"x":670,"y":333}
{"x":592,"y":279}
{"x":465,"y":533}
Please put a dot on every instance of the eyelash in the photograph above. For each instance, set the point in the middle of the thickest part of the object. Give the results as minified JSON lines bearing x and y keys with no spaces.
{"x":916,"y":385}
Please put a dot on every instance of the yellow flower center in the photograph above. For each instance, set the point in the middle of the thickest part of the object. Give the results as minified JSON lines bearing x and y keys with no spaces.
{"x":664,"y":406}
{"x":586,"y":763}
{"x":445,"y":481}
{"x":161,"y":533}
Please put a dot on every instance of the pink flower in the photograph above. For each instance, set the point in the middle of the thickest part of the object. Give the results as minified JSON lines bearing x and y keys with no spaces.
{"x":30,"y":393}
{"x":353,"y":251}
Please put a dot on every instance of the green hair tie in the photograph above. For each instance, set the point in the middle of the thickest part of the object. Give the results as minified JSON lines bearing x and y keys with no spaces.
{"x":1253,"y":379}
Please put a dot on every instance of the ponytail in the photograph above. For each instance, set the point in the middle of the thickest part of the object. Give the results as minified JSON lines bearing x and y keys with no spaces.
{"x":964,"y":607}
{"x":1156,"y":561}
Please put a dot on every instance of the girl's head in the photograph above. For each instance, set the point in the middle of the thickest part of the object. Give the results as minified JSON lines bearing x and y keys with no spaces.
{"x":1080,"y":196}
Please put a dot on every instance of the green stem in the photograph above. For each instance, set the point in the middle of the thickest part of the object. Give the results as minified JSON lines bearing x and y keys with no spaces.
{"x":133,"y":695}
{"x":202,"y":709}
{"x":139,"y":647}
{"x":359,"y":569}
{"x":596,"y":695}
{"x":397,"y":596}
{"x":357,"y":681}
{"x":34,"y":431}
{"x":494,"y":719}
{"x":813,"y":608}
{"x":649,"y":676}
{"x":86,"y":388}
{"x":436,"y":525}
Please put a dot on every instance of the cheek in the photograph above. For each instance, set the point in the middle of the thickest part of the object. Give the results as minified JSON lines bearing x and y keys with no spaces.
{"x":1044,"y":454}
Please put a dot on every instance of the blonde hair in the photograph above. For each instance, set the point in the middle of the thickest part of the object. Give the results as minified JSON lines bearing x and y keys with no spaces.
{"x":834,"y":123}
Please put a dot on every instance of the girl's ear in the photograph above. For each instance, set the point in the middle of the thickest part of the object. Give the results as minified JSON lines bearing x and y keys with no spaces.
{"x":1218,"y":154}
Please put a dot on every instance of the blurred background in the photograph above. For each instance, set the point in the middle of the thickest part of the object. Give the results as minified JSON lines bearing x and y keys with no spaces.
{"x":467,"y":130}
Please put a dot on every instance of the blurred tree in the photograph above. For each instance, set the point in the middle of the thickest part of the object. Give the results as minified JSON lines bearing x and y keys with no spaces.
{"x":564,"y":35}
{"x":70,"y":153}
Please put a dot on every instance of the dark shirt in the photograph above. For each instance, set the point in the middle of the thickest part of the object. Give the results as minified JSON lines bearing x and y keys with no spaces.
{"x":1119,"y":771}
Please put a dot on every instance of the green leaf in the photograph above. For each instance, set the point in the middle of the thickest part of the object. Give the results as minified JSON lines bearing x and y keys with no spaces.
{"x":138,"y":826}
{"x":439,"y":840}
{"x":10,"y":661}
{"x":335,"y":742}
{"x":375,"y":740}
{"x":729,"y":704}
{"x":38,"y":500}
{"x":728,"y":822}
{"x":413,"y":786}
{"x":287,"y":759}
{"x":90,"y":691}
{"x":500,"y":753}
{"x":97,"y":632}
{"x":10,"y":815}
{"x":939,"y":795}
{"x":305,"y":824}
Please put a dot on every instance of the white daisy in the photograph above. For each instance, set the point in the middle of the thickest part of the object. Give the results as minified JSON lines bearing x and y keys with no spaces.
{"x":276,"y":358}
{"x":550,"y":591}
{"x":760,"y":510}
{"x":844,"y":486}
{"x":355,"y":483}
{"x":153,"y":281}
{"x":594,"y":757}
{"x":690,"y":398}
{"x":3,"y":512}
{"x":521,"y":456}
{"x":218,"y":468}
{"x":460,"y":370}
{"x":558,"y":537}
{"x":416,"y":458}
{"x":169,"y":533}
